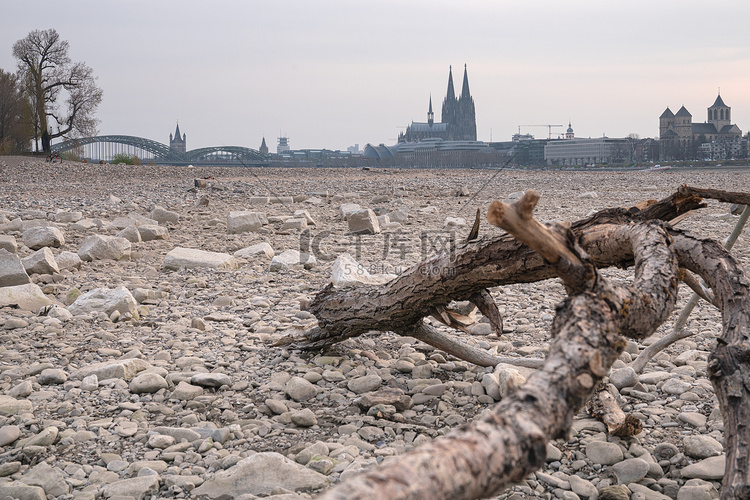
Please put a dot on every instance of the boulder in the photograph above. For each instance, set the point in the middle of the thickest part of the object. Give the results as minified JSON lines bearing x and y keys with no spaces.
{"x":299,"y":224}
{"x":347,"y":209}
{"x":12,"y":270}
{"x":259,"y":250}
{"x":28,"y":297}
{"x":105,"y":300}
{"x":38,"y":237}
{"x":364,"y":222}
{"x":164,"y":216}
{"x":68,"y":260}
{"x":190,"y":258}
{"x":261,"y":474}
{"x":290,"y":258}
{"x":243,"y":222}
{"x":67,"y":217}
{"x":8,"y":242}
{"x":41,"y":262}
{"x":120,"y":368}
{"x":348,"y":272}
{"x":150,"y":233}
{"x":131,"y":234}
{"x":98,"y":247}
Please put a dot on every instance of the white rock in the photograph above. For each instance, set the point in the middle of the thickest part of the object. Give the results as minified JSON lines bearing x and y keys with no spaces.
{"x":243,"y":222}
{"x":131,"y":234}
{"x":99,"y":247}
{"x":41,"y":262}
{"x":28,"y":297}
{"x":12,"y":270}
{"x":68,"y":260}
{"x":164,"y":216}
{"x":105,"y":300}
{"x":304,"y":214}
{"x":67,"y":217}
{"x":259,"y":249}
{"x":120,"y":368}
{"x":364,"y":222}
{"x":8,"y":242}
{"x":38,"y":237}
{"x":453,"y":222}
{"x":348,"y":272}
{"x":291,"y":258}
{"x":190,"y":258}
{"x":150,"y":233}
{"x":346,"y":209}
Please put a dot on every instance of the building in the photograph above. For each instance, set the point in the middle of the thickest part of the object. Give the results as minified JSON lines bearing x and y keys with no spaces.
{"x":283,"y":145}
{"x":458,"y":121}
{"x":263,"y":149}
{"x":681,"y":139}
{"x":177,"y":144}
{"x":585,"y":151}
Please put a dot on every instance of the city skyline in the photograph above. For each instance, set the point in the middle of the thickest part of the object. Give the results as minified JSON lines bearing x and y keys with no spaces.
{"x":332,"y":74}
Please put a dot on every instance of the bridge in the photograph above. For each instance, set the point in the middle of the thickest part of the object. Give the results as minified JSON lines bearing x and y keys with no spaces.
{"x":106,"y":147}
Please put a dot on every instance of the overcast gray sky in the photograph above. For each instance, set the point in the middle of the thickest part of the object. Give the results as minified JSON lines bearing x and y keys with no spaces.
{"x":332,"y":73}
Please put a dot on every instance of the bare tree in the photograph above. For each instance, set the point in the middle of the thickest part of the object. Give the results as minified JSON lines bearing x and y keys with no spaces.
{"x":13,"y":135}
{"x":61,"y":93}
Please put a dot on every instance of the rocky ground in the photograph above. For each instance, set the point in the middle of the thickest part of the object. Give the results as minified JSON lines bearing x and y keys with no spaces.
{"x":129,"y":375}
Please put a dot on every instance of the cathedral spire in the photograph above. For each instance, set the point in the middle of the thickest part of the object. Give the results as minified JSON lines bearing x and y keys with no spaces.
{"x":430,"y":114}
{"x":177,"y":131}
{"x":451,"y":93}
{"x":465,"y":94}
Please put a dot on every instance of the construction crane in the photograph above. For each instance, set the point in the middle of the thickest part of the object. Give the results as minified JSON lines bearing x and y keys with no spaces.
{"x":549,"y":128}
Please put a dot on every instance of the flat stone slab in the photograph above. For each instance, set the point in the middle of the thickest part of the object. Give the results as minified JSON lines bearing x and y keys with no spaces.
{"x":190,"y":258}
{"x":28,"y":297}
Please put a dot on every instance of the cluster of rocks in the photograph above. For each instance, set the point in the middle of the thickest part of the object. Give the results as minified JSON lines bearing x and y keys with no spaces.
{"x":138,"y":309}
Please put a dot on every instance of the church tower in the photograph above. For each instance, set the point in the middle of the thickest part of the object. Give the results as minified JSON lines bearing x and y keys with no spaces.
{"x":569,"y":133}
{"x":718,"y":114}
{"x":263,"y":149}
{"x":467,"y":118}
{"x":177,"y":144}
{"x":430,"y":114}
{"x":450,"y":105}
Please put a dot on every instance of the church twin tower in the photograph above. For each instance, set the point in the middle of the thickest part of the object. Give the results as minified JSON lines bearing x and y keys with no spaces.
{"x":458,"y":120}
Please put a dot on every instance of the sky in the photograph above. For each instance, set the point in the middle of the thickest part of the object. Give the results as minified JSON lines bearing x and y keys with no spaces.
{"x":334,"y":73}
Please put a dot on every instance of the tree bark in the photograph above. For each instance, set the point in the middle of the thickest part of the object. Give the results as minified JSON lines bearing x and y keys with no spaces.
{"x":509,"y":441}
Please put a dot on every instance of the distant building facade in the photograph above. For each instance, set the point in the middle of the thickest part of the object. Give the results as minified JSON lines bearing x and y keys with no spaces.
{"x":715,"y":139}
{"x":178,"y":143}
{"x":458,"y":121}
{"x":585,"y":151}
{"x":283,"y":145}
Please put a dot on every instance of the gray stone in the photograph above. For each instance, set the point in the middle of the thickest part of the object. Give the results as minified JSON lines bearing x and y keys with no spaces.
{"x":304,"y":214}
{"x":304,"y":418}
{"x":68,"y":260}
{"x":215,"y":380}
{"x":300,"y":389}
{"x":105,"y":300}
{"x":20,"y":491}
{"x":299,"y":224}
{"x":45,"y":437}
{"x":8,"y":243}
{"x":151,"y":233}
{"x":189,"y":258}
{"x":164,"y":216}
{"x":9,"y":434}
{"x":243,"y":222}
{"x":28,"y":297}
{"x":617,"y":492}
{"x":261,"y":474}
{"x":709,"y":469}
{"x":582,"y":487}
{"x":99,"y":247}
{"x":654,"y":377}
{"x":318,"y":448}
{"x":676,"y":386}
{"x":38,"y":237}
{"x":67,"y":217}
{"x":258,"y":250}
{"x":631,"y":470}
{"x":693,"y":418}
{"x":701,"y":446}
{"x":121,"y":368}
{"x":49,"y":478}
{"x":12,"y":270}
{"x":52,"y":376}
{"x":186,"y":392}
{"x":348,"y":272}
{"x":131,"y":234}
{"x":363,"y":222}
{"x":136,"y":487}
{"x":367,"y":383}
{"x":623,"y":377}
{"x":697,"y":489}
{"x":603,"y":453}
{"x":41,"y":262}
{"x":290,"y":258}
{"x":346,"y":209}
{"x":147,"y":383}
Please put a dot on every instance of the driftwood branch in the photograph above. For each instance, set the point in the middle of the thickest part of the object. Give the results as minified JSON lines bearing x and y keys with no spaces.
{"x":509,"y":441}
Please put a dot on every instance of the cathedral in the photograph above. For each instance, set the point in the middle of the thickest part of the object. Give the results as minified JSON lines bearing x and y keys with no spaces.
{"x":680,"y":138}
{"x":177,"y":143}
{"x":458,"y":121}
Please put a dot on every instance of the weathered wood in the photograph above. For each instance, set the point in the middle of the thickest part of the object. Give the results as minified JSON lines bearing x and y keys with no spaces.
{"x":603,"y":406}
{"x":509,"y":441}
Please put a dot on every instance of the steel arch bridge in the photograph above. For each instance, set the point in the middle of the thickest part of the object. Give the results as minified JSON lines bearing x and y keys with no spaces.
{"x":104,"y":147}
